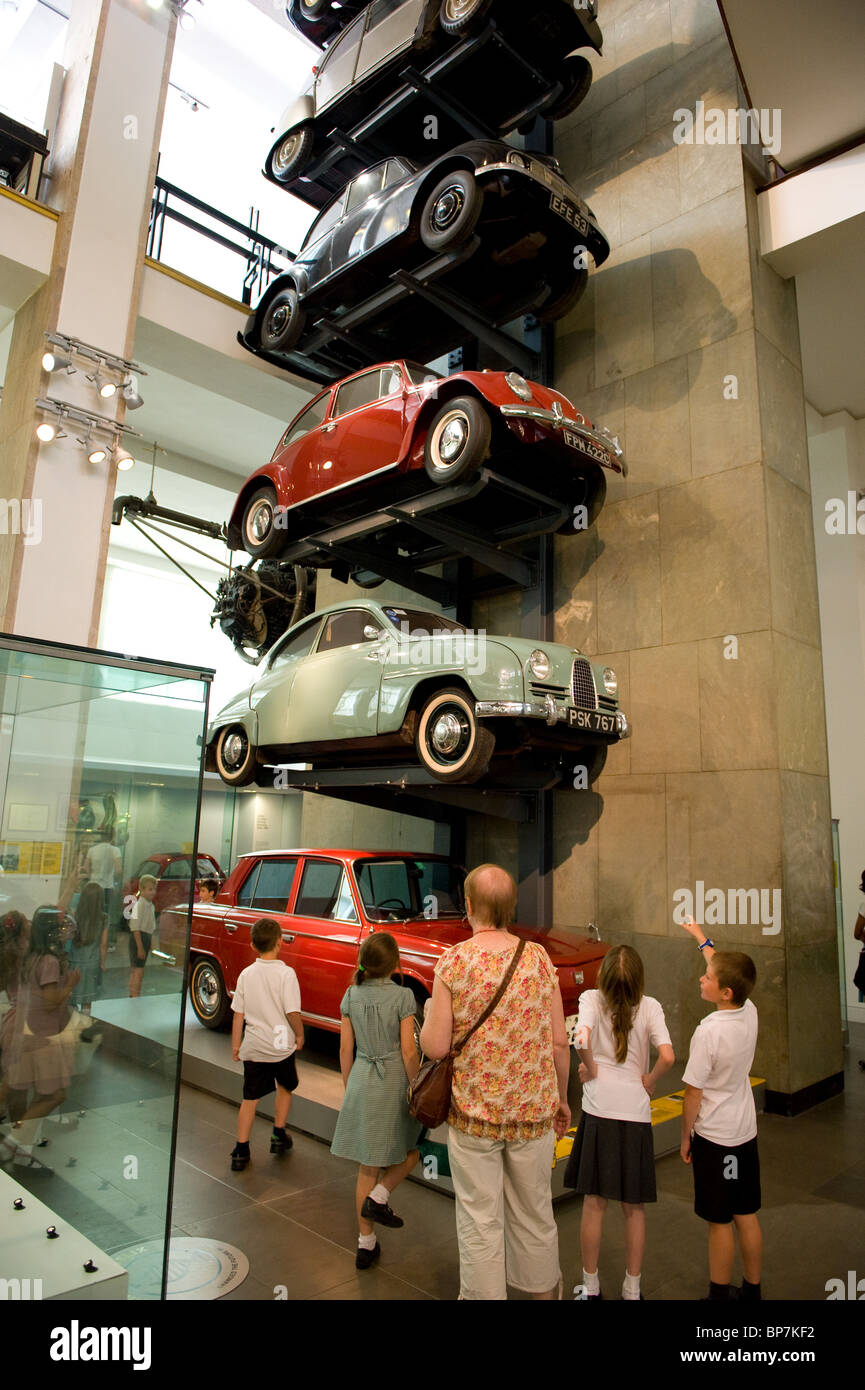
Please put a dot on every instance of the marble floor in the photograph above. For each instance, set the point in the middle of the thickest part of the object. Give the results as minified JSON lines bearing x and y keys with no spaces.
{"x":293,"y":1216}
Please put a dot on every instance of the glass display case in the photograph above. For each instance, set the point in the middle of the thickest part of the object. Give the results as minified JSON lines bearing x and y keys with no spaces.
{"x":100,"y":791}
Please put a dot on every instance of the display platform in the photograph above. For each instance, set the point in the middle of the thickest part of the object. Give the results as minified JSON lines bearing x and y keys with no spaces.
{"x":209,"y":1066}
{"x":51,"y":1267}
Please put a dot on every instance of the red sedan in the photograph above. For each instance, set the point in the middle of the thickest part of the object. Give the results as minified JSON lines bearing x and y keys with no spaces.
{"x":400,"y":419}
{"x":327,"y":901}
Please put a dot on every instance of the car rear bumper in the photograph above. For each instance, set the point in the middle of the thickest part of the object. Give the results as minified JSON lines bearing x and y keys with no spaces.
{"x":600,"y":437}
{"x":547,"y":709}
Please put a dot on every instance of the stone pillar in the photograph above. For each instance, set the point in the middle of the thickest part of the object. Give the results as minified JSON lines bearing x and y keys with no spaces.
{"x":698,"y":584}
{"x":101,"y":181}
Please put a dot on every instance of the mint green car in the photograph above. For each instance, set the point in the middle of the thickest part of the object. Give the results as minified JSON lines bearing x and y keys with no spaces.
{"x":365,"y":683}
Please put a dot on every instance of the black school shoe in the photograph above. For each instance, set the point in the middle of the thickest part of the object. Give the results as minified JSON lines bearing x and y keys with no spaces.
{"x":380,"y":1212}
{"x":280,"y":1142}
{"x":364,"y":1258}
{"x":239,"y":1159}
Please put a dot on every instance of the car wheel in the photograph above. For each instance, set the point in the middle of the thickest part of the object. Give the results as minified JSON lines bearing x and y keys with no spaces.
{"x":262,"y":537}
{"x":457,"y":441}
{"x":451,"y":211}
{"x":463,"y":17}
{"x":291,"y":154}
{"x":281,"y":322}
{"x":592,"y":495}
{"x":235,"y":756}
{"x":450,"y":743}
{"x":313,"y":9}
{"x":557,"y":308}
{"x":575,"y":75}
{"x":208,"y":995}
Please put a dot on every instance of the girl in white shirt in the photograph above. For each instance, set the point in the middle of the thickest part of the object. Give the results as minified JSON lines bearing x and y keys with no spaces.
{"x":613,"y":1157}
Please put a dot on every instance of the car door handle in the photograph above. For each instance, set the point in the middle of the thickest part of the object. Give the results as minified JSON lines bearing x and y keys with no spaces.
{"x":325,"y":429}
{"x":288,"y":936}
{"x":231,"y":926}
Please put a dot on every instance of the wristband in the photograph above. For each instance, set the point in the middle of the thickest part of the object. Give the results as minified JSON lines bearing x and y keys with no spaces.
{"x":706,"y":943}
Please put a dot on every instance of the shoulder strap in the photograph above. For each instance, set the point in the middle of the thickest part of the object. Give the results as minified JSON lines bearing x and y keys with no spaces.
{"x":506,"y":979}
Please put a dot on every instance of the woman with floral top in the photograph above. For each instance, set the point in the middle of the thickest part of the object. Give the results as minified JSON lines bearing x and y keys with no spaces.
{"x":509,"y":1096}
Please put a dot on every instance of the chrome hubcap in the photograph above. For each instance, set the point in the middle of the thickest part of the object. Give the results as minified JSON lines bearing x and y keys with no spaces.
{"x":446,"y":733}
{"x":286,"y":152}
{"x":260,"y":521}
{"x":450,"y":441}
{"x":448,"y":207}
{"x":206,"y":991}
{"x":234,"y":750}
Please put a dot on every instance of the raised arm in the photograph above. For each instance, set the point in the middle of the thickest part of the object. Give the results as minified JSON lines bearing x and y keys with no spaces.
{"x":699,"y":936}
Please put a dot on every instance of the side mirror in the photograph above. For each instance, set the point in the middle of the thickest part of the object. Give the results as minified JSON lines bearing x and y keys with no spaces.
{"x":371,"y":632}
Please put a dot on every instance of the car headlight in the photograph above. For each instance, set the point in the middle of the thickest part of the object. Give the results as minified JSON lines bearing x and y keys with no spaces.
{"x":519,"y":386}
{"x":539,"y":665}
{"x":611,"y":683}
{"x":518,"y":160}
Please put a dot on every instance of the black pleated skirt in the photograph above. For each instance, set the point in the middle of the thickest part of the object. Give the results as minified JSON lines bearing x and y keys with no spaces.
{"x":613,"y":1159}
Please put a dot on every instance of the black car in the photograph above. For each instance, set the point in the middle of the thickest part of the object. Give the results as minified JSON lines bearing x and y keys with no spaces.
{"x":318,"y":20}
{"x":403,"y":73}
{"x":500,"y":227}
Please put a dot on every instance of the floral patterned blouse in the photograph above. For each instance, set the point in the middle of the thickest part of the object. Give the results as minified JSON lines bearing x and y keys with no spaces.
{"x":505,"y":1084}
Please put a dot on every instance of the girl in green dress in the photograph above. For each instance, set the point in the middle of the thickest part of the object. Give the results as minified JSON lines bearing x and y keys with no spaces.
{"x":374,"y":1126}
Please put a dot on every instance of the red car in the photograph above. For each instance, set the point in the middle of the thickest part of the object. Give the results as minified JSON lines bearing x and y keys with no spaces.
{"x":172,"y":873}
{"x":401,"y":421}
{"x":327,"y":902}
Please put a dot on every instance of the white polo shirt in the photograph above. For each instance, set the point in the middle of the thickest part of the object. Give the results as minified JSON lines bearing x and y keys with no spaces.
{"x":720,"y":1061}
{"x":617,"y":1092}
{"x":266,"y":991}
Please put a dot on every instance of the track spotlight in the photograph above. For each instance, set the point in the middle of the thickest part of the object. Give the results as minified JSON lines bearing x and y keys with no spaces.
{"x":124,"y":461}
{"x":104,"y":385}
{"x":56,"y":362}
{"x":130,"y":393}
{"x":46,"y":432}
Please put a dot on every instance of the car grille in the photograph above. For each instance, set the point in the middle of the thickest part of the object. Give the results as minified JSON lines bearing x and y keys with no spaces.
{"x":558,"y":692}
{"x":583,"y":685}
{"x":608,"y":702}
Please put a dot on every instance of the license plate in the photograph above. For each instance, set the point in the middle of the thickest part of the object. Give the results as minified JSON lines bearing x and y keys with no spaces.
{"x":565,"y":208}
{"x":592,"y":721}
{"x":585,"y":446}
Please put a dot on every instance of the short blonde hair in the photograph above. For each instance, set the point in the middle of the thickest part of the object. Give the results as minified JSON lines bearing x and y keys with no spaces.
{"x":146,"y":881}
{"x":493,"y":895}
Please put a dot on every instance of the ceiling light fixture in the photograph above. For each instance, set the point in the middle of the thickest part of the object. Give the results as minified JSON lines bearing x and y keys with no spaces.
{"x":63,"y":349}
{"x":130,"y":393}
{"x":104,"y":385}
{"x":56,"y":362}
{"x":94,"y":425}
{"x":123,"y":459}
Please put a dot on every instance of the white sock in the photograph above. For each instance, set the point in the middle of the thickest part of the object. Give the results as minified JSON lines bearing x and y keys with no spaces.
{"x":379,"y":1194}
{"x":631,"y":1288}
{"x":366,"y":1242}
{"x":591,"y":1283}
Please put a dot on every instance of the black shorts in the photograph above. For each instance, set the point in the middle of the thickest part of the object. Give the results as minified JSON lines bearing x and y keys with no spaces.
{"x":260,"y":1078}
{"x":726,"y":1179}
{"x":134,"y":960}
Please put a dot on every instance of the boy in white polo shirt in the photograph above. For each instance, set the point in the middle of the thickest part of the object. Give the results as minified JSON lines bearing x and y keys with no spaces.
{"x":267,"y":1000}
{"x":719,"y":1120}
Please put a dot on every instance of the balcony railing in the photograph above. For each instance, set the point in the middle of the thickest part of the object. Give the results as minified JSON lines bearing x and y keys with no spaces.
{"x":262,"y":258}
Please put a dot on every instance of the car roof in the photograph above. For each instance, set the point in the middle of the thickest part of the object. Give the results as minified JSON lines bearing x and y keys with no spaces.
{"x":346,"y":854}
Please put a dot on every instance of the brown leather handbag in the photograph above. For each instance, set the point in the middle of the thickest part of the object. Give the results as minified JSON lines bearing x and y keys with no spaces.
{"x":429,"y":1094}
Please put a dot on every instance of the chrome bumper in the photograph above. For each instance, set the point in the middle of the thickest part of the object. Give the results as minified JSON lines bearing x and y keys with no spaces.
{"x":602,"y":438}
{"x":546,"y":709}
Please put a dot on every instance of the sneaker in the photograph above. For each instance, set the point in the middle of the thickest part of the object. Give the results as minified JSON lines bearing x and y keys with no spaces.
{"x":364,"y":1258}
{"x":281,"y":1143}
{"x":380,"y":1212}
{"x":239,"y":1159}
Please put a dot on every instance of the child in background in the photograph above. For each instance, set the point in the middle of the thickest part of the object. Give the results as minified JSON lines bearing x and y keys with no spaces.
{"x":142,"y":925}
{"x":719,"y":1120}
{"x":207,"y":889}
{"x":88,"y":946}
{"x":613,"y":1154}
{"x":267,"y":1001}
{"x":374,"y":1126}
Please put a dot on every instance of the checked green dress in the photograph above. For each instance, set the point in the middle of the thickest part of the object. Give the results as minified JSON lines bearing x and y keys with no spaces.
{"x":374,"y":1126}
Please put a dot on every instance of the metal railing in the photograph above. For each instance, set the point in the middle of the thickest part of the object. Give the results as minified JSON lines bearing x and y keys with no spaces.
{"x":256,"y":251}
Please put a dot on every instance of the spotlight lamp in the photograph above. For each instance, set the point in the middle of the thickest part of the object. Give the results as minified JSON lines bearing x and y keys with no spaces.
{"x":105,"y":367}
{"x":123,"y":459}
{"x":101,"y":437}
{"x":130,"y":393}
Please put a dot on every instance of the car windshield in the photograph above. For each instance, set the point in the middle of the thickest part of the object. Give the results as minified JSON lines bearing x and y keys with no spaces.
{"x":399,"y":889}
{"x":417,"y":622}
